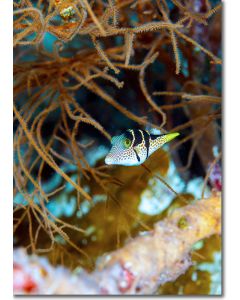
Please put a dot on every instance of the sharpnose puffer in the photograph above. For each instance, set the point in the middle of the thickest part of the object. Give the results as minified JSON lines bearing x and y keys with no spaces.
{"x":134,"y":146}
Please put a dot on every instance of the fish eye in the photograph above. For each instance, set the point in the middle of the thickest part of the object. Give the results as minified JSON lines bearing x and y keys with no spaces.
{"x":127,"y":143}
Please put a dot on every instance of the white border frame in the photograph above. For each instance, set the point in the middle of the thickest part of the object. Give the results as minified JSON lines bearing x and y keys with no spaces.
{"x":231,"y":150}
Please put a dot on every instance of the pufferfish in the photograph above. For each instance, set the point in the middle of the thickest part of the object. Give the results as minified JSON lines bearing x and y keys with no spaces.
{"x":134,"y":146}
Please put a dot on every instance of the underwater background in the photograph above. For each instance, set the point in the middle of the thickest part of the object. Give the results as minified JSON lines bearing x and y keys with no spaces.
{"x":85,"y":71}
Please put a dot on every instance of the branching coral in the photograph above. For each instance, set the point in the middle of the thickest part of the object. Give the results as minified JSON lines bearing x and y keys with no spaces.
{"x":84,"y":70}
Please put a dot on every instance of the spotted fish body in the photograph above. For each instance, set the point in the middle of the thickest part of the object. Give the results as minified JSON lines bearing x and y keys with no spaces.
{"x":134,"y":146}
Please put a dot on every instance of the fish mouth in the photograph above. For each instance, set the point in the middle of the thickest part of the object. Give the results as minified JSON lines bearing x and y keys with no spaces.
{"x":108,"y":160}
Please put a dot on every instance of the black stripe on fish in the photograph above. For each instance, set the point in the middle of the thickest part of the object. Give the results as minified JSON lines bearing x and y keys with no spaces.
{"x":138,"y":137}
{"x":138,"y":158}
{"x":146,"y":139}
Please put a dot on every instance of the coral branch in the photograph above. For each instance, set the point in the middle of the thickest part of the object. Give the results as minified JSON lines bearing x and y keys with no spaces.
{"x":140,"y":267}
{"x":94,"y":18}
{"x":46,"y":158}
